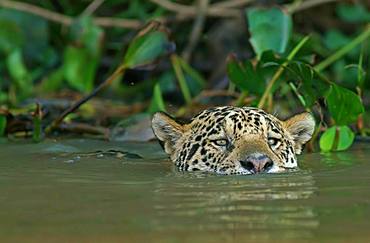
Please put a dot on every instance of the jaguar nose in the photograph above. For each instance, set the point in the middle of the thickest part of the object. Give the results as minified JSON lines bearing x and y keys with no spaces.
{"x":257,"y":163}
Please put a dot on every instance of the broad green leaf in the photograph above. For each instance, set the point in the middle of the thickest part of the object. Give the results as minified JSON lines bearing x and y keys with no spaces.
{"x":16,"y":67}
{"x":19,"y":72}
{"x":146,"y":49}
{"x":344,"y":105}
{"x":2,"y":124}
{"x":327,"y":139}
{"x":346,"y":138}
{"x":353,"y":13}
{"x":270,"y":29}
{"x":79,"y":68}
{"x":157,"y":103}
{"x":336,"y":138}
{"x":237,"y":73}
{"x":271,"y":57}
{"x":244,"y":76}
{"x":81,"y":58}
{"x":311,"y":86}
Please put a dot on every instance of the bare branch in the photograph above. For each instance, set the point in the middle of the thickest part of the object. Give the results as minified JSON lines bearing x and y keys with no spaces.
{"x":213,"y":11}
{"x":232,"y":3}
{"x":92,"y":7}
{"x":292,"y":8}
{"x":67,"y":20}
{"x":29,"y":8}
{"x":197,"y":30}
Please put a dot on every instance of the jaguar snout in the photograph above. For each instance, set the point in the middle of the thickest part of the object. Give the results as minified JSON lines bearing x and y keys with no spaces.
{"x":257,"y":163}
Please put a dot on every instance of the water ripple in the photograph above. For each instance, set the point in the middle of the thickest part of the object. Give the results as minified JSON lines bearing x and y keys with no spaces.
{"x":215,"y":202}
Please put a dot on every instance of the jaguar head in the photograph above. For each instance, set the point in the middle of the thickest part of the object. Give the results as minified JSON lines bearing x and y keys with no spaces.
{"x":231,"y":140}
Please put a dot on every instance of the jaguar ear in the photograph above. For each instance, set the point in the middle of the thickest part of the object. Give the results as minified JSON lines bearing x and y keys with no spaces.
{"x":167,"y":130}
{"x":301,"y":127}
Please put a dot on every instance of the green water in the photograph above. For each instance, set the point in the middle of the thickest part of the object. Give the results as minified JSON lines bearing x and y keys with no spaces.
{"x":58,"y":191}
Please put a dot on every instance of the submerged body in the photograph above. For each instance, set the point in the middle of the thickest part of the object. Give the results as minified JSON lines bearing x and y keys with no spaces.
{"x":232,"y":140}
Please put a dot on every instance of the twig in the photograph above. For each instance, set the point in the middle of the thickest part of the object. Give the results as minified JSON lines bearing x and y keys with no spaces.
{"x":118,"y":22}
{"x":175,"y":7}
{"x":303,"y":5}
{"x":92,"y":7}
{"x":232,"y":3}
{"x":225,"y":9}
{"x":67,"y":20}
{"x":29,"y":8}
{"x":186,"y":10}
{"x":197,"y":30}
{"x":119,"y":71}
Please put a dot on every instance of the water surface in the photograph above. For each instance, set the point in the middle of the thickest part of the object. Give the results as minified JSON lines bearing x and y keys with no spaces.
{"x":61,"y":191}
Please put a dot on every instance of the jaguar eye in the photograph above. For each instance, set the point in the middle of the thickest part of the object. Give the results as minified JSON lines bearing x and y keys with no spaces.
{"x":274,"y":142}
{"x":221,"y":142}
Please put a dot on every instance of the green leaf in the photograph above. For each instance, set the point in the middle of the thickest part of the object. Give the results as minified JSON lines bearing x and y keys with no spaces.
{"x":146,"y":49}
{"x":353,"y":13}
{"x":157,"y":103}
{"x":312,"y":87}
{"x":16,"y":67}
{"x":19,"y":72}
{"x":79,"y":68}
{"x":336,"y":138}
{"x":2,"y":125}
{"x":346,"y":138}
{"x":82,"y":57}
{"x":244,"y":76}
{"x":327,"y":139}
{"x":270,"y":29}
{"x":344,"y":105}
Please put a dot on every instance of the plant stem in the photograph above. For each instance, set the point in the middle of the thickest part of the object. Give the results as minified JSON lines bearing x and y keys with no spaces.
{"x":37,"y":130}
{"x":119,"y":71}
{"x":278,"y":73}
{"x":181,"y":78}
{"x":240,"y":100}
{"x":344,"y":50}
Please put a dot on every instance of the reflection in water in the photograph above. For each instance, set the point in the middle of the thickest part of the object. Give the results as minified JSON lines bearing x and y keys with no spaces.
{"x":205,"y":202}
{"x":100,"y":195}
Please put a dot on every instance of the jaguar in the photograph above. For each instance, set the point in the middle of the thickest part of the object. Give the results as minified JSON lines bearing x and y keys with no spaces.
{"x":231,"y":140}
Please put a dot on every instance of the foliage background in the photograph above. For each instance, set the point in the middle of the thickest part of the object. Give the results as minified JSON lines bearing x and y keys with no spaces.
{"x":283,"y":56}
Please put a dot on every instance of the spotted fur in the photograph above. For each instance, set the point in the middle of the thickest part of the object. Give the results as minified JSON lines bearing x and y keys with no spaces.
{"x":220,"y":139}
